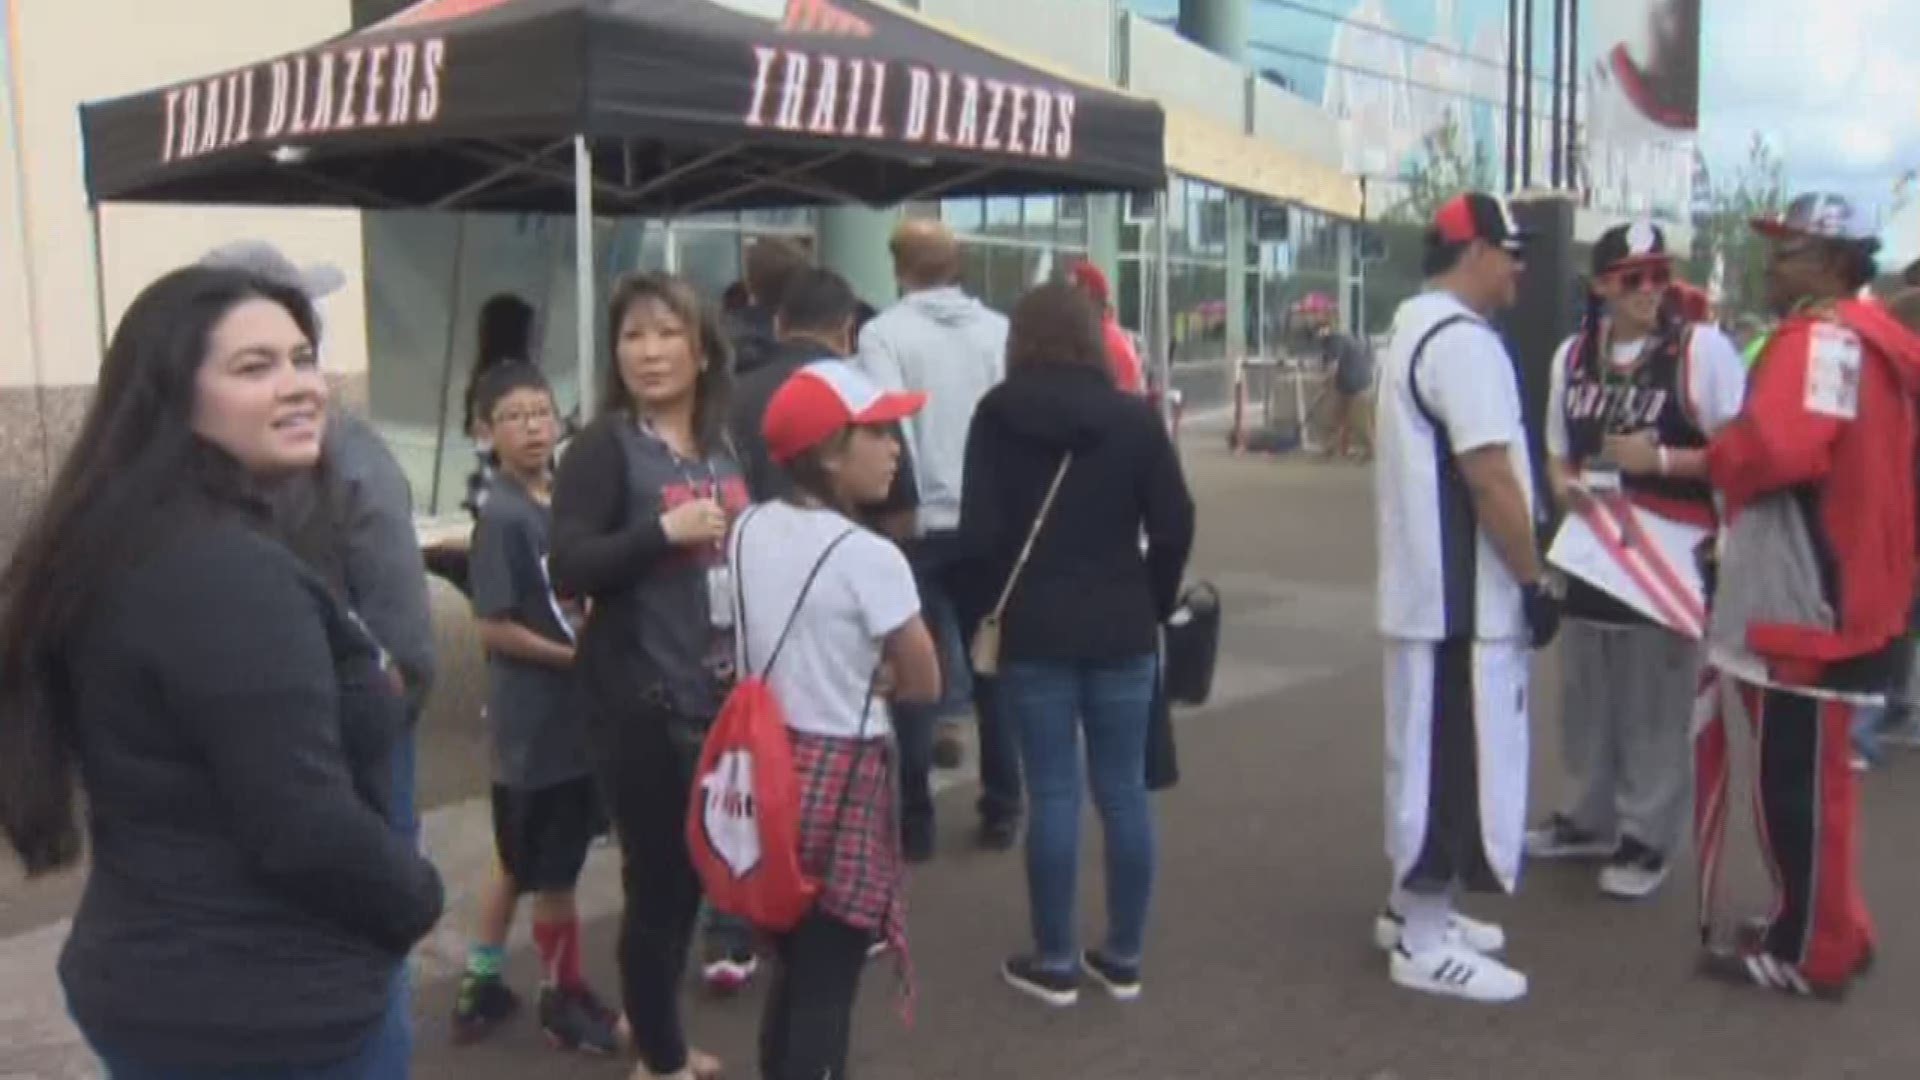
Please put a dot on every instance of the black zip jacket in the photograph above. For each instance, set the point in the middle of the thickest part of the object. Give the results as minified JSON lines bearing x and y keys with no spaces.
{"x":1088,"y":592}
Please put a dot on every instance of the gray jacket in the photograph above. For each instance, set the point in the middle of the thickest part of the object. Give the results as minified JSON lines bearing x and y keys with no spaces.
{"x":367,"y":545}
{"x":954,"y":349}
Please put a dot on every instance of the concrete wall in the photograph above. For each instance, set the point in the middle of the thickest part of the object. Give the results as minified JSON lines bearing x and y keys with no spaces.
{"x":1078,"y":35}
{"x":61,"y":53}
{"x":1295,"y":123}
{"x":1162,"y":64}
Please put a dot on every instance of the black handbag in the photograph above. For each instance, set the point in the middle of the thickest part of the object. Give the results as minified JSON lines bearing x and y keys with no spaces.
{"x":1193,"y":645}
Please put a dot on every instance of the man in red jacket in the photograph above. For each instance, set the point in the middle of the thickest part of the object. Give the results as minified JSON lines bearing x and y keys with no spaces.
{"x":1816,"y":573}
{"x":1123,"y":361}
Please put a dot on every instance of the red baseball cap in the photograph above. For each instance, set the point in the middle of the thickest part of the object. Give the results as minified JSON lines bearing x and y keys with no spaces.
{"x":1479,"y":216}
{"x":820,"y":399}
{"x":1093,"y":279}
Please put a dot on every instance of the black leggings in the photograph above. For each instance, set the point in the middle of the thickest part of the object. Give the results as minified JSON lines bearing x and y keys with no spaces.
{"x":646,"y":777}
{"x":809,"y":1019}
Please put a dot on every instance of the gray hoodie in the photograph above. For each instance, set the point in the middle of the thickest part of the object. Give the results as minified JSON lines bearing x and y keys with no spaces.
{"x":953,"y":348}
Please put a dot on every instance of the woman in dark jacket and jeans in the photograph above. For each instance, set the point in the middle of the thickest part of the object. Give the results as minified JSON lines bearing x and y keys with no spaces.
{"x":641,"y":508}
{"x":1080,"y":632}
{"x":250,"y":904}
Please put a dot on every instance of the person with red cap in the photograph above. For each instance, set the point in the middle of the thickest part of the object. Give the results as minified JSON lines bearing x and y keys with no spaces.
{"x":830,"y":616}
{"x":1815,"y":575}
{"x":1627,"y":681}
{"x":1463,"y":601}
{"x":1123,"y":360}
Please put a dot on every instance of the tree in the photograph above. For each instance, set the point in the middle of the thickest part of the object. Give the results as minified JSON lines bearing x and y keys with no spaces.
{"x":1450,"y":162}
{"x":1723,"y":238}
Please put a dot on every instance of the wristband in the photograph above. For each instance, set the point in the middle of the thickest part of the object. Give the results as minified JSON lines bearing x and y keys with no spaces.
{"x":1666,"y":462}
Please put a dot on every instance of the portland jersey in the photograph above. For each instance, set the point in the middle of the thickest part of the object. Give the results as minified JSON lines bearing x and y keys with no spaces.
{"x":1603,"y":398}
{"x":1447,"y":387}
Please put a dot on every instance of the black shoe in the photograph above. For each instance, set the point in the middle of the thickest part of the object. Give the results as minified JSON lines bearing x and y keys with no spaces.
{"x":1121,"y":980}
{"x":999,"y":833}
{"x":576,"y":1020}
{"x":1633,"y":872}
{"x":1054,"y":986}
{"x":483,"y":1005}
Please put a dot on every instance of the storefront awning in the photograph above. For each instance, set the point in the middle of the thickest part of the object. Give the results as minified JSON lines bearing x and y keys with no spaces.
{"x":1206,"y":149}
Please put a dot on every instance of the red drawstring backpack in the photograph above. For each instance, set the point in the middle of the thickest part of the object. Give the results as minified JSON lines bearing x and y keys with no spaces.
{"x":743,"y":817}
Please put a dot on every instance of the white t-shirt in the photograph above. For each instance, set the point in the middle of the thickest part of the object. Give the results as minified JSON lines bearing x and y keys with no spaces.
{"x":1716,"y":382}
{"x":1440,"y":574}
{"x":864,"y":592}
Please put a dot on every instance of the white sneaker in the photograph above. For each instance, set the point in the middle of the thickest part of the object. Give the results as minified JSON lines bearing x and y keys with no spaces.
{"x":1481,"y":937}
{"x":1452,"y":970}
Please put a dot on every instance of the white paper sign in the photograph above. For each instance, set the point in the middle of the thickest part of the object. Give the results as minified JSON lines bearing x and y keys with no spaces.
{"x":1638,"y":557}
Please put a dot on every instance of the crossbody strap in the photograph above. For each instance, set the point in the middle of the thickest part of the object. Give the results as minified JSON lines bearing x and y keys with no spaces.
{"x":1033,"y":535}
{"x":740,"y":593}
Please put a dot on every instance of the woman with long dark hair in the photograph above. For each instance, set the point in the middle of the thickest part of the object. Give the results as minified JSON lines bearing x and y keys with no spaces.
{"x":1065,"y":474}
{"x":229,"y":721}
{"x":641,"y":508}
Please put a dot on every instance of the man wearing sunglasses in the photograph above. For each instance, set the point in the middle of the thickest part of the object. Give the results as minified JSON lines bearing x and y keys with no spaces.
{"x":1627,"y":682}
{"x":1816,"y":574}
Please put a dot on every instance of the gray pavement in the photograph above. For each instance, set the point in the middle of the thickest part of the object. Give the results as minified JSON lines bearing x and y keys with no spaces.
{"x":1260,"y":963}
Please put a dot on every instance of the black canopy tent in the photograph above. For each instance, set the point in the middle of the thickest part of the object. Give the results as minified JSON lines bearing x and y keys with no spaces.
{"x":622,"y":107}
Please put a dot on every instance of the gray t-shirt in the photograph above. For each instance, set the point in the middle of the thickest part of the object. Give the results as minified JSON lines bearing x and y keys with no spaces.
{"x":534,"y":711}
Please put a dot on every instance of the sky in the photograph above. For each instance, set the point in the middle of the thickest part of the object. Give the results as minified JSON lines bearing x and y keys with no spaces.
{"x":1834,"y":87}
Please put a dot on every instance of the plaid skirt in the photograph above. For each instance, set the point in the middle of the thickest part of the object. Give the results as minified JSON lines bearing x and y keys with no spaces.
{"x":850,"y":835}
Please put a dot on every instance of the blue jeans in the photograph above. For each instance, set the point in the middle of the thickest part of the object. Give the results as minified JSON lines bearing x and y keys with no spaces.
{"x":952,"y":613}
{"x":386,"y":1056}
{"x":1050,"y":704}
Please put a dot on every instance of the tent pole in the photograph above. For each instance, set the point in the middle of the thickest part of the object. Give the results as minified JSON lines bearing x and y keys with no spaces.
{"x":1162,"y":307}
{"x":583,"y":272}
{"x":457,"y":286}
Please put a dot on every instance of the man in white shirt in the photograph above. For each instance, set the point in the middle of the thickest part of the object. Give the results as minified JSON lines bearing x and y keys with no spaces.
{"x":1628,"y":683}
{"x":1462,"y":600}
{"x":941,"y":342}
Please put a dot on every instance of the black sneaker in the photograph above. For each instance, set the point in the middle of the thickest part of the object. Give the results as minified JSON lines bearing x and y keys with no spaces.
{"x":1058,"y":987}
{"x":999,"y":833}
{"x":576,"y":1020}
{"x":1559,"y":838}
{"x":1634,"y":871}
{"x":948,"y":751}
{"x":483,"y":1004}
{"x":1121,"y":980}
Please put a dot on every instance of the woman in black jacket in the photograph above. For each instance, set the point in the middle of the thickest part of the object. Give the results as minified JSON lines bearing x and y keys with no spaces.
{"x":251,"y":904}
{"x":641,"y":507}
{"x":1081,"y":623}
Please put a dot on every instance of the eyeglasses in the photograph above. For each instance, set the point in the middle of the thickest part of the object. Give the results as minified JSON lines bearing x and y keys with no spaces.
{"x":522,"y":416}
{"x":1658,"y":277}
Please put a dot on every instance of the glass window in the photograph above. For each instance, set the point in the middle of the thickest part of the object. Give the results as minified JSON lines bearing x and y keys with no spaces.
{"x":709,"y":258}
{"x":1126,"y":295}
{"x":973,"y":269}
{"x":1042,"y":218}
{"x":1003,"y":215}
{"x":1008,"y":268}
{"x":963,"y":215}
{"x":1073,"y":220}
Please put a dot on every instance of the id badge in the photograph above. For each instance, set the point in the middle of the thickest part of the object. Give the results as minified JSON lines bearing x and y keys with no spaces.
{"x":1601,"y":481}
{"x":720,"y":597}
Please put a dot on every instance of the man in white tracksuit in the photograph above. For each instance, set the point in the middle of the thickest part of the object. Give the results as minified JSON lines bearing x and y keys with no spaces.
{"x":1462,"y":601}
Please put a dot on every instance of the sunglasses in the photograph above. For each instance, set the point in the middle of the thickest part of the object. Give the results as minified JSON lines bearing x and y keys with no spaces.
{"x":1658,"y":277}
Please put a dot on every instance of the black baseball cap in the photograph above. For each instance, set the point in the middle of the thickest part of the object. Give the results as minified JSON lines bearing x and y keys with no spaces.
{"x":1626,"y":246}
{"x":1476,"y":215}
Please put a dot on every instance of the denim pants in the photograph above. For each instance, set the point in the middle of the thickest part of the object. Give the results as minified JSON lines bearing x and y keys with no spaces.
{"x":1051,"y":705}
{"x":952,"y":613}
{"x":386,"y":1056}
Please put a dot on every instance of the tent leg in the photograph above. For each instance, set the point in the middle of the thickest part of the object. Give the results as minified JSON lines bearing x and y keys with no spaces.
{"x":583,"y":272}
{"x":456,"y":287}
{"x":1162,"y":344}
{"x":99,"y":276}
